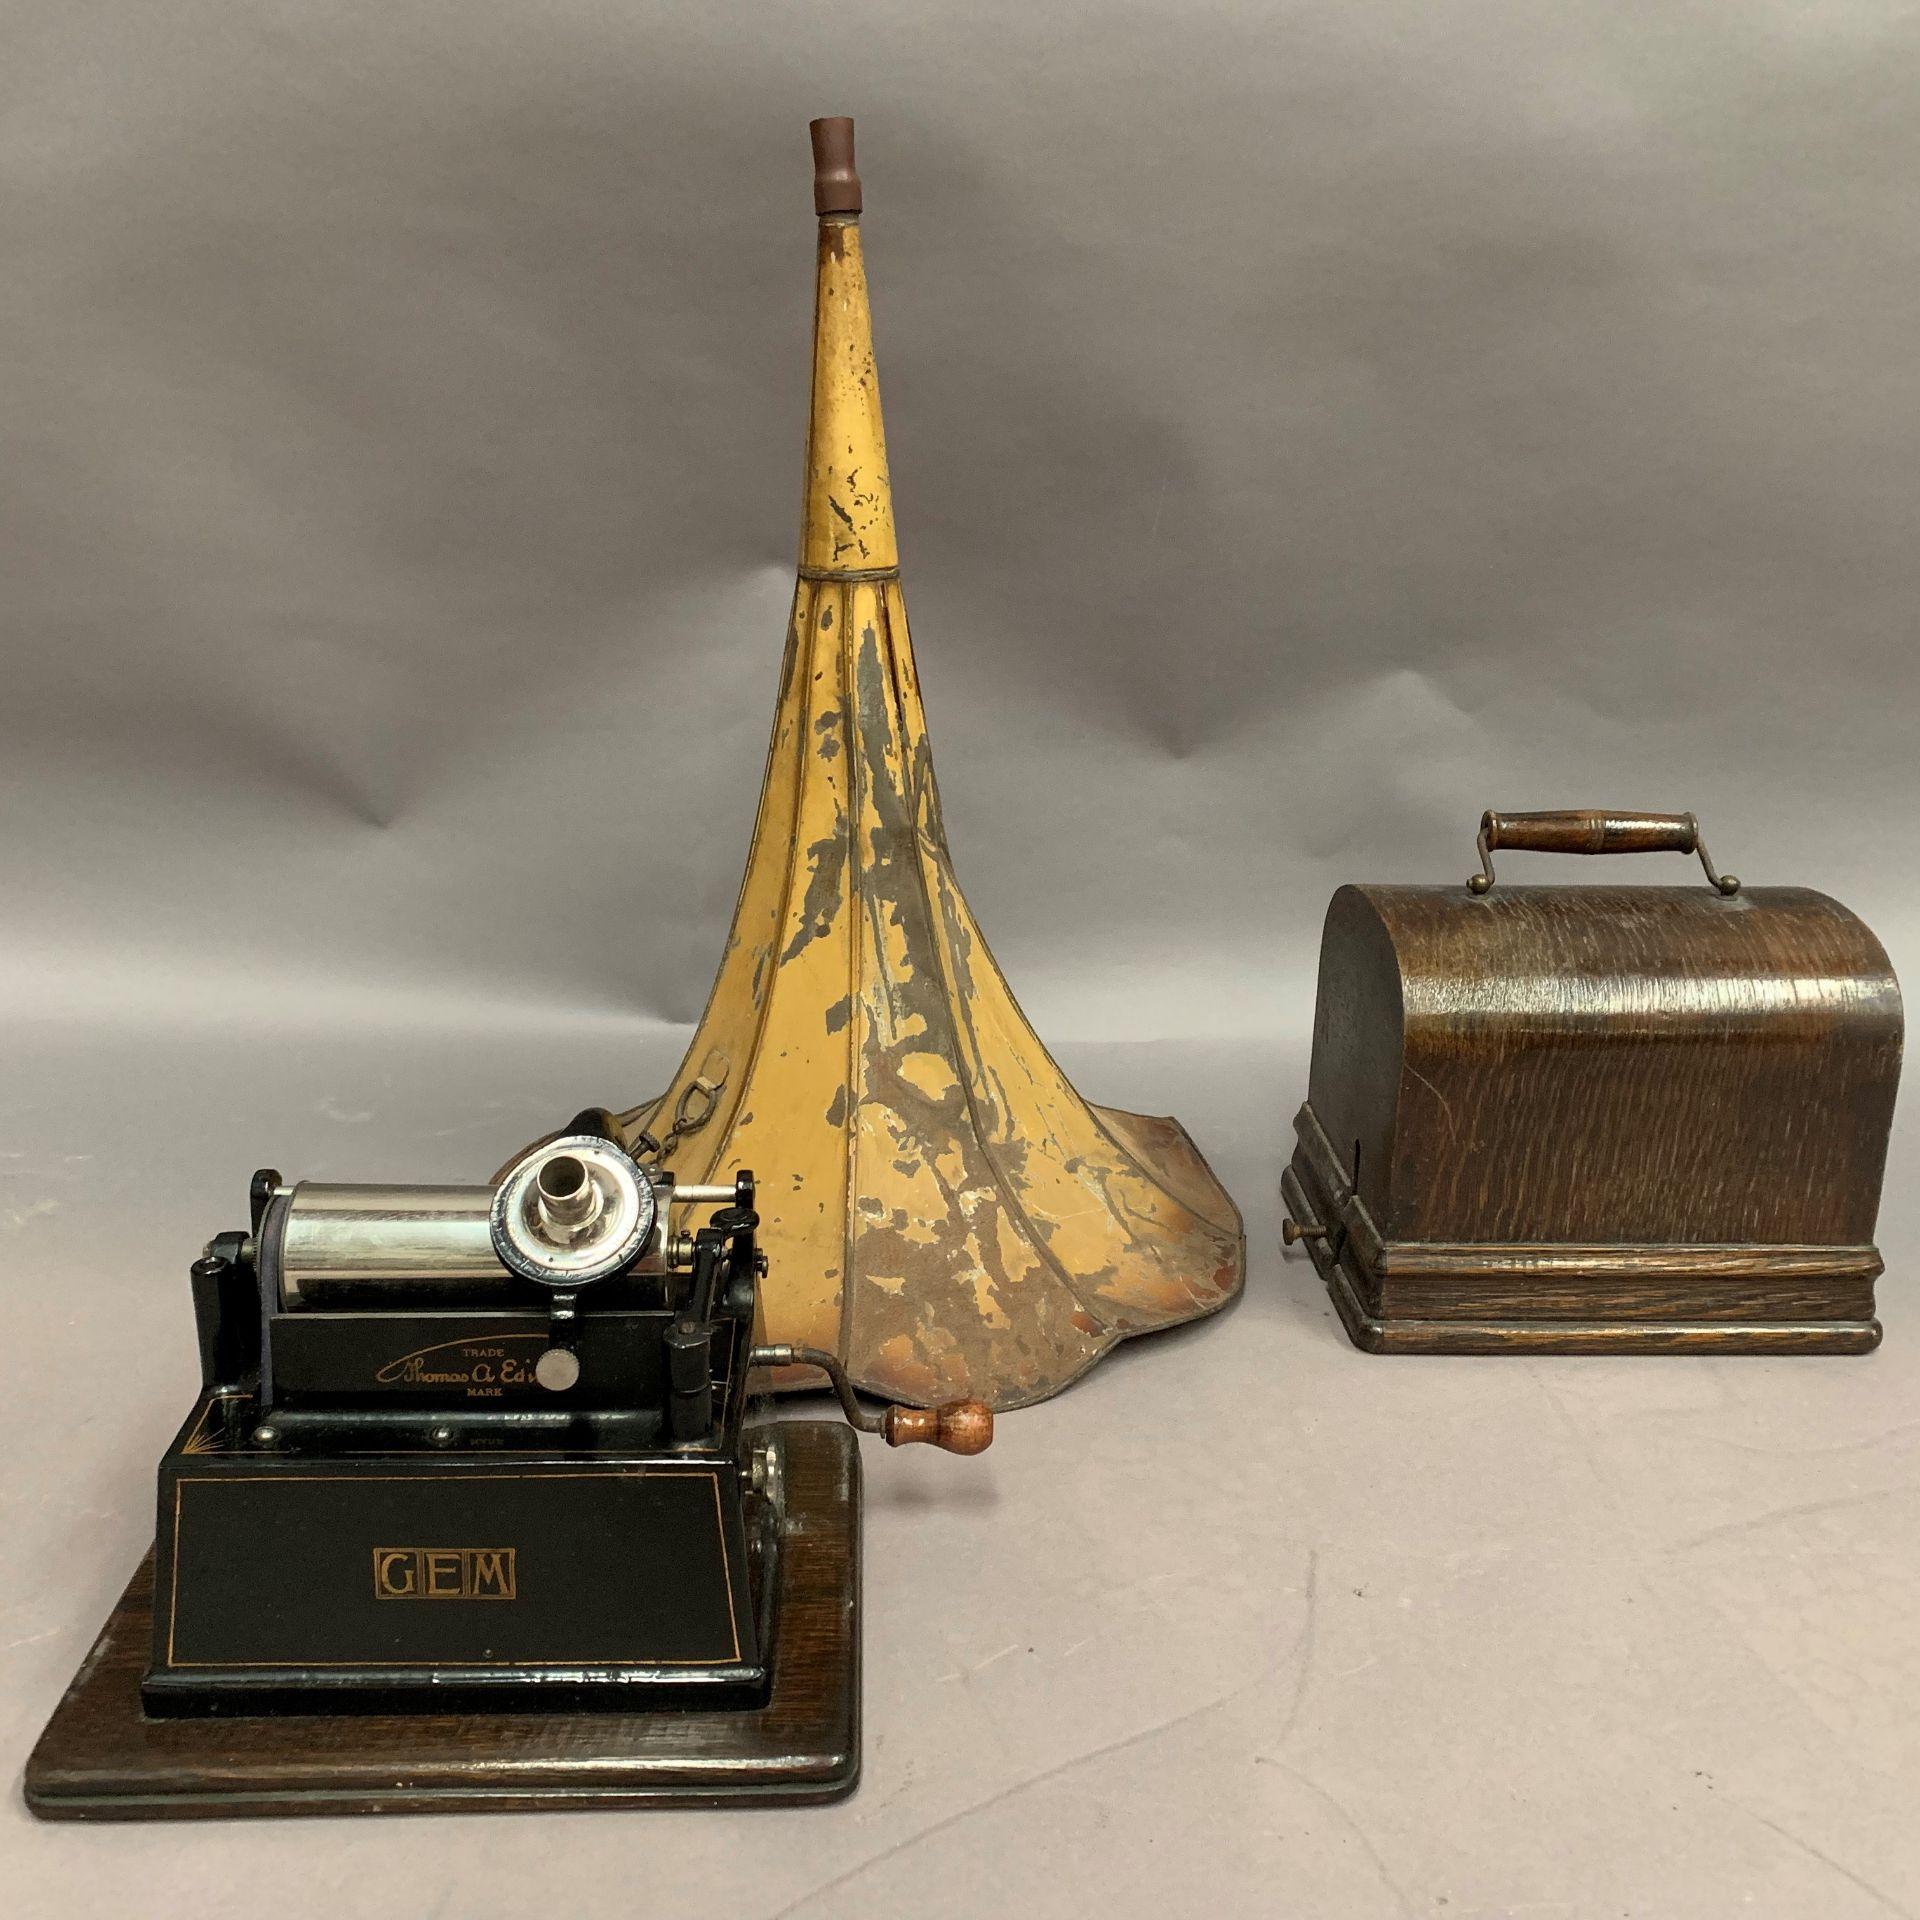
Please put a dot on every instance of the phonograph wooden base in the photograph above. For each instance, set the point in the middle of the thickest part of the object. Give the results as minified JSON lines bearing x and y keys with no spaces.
{"x":101,"y":1758}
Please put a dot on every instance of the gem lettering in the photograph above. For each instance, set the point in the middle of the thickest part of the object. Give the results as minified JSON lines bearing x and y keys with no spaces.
{"x":445,"y":1573}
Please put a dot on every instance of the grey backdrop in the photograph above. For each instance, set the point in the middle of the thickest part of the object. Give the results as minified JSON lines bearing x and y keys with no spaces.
{"x":1311,"y":424}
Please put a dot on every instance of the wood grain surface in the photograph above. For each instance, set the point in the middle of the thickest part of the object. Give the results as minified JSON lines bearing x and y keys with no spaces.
{"x":1579,"y":1112}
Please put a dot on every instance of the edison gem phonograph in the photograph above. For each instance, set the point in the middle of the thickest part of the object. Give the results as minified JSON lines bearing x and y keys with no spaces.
{"x":470,"y":1488}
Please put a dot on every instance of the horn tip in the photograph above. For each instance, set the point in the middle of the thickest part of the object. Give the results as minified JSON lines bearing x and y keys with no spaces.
{"x":836,"y":186}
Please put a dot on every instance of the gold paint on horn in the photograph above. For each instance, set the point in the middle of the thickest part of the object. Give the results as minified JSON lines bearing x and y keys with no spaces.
{"x":939,"y":1206}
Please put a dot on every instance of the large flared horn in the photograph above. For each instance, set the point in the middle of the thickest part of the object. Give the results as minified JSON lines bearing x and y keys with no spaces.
{"x":940,"y":1207}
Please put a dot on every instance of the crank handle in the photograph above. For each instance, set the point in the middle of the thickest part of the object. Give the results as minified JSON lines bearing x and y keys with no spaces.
{"x":961,"y":1426}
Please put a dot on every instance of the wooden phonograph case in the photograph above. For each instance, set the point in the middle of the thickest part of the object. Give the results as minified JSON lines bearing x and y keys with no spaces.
{"x":1597,"y":1119}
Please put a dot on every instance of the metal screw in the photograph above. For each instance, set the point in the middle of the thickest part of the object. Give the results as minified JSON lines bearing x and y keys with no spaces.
{"x":441,"y":1436}
{"x":266,"y":1436}
{"x":1292,"y":1230}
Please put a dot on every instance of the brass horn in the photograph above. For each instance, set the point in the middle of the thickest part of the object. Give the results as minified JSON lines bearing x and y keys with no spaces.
{"x":958,"y":1221}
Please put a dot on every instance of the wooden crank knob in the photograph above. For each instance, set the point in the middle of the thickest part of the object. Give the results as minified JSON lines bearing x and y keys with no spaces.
{"x":961,"y":1426}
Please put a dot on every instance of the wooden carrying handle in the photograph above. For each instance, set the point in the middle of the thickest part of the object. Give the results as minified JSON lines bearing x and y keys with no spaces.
{"x":1591,"y":830}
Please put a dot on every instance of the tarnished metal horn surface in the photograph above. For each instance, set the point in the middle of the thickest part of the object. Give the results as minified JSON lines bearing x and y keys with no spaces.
{"x":953,"y":1218}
